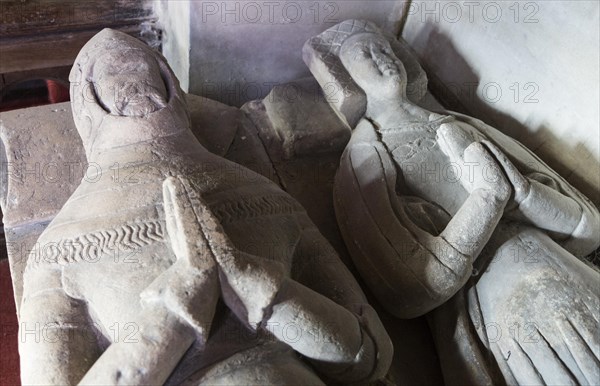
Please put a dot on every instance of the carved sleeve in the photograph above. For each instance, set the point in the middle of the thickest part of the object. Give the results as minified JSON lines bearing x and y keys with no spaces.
{"x":342,"y":334}
{"x":58,"y":342}
{"x":553,"y":204}
{"x":394,"y":240}
{"x":571,"y":219}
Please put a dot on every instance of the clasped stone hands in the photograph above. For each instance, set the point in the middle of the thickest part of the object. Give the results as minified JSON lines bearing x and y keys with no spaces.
{"x":208,"y":266}
{"x":482,"y":165}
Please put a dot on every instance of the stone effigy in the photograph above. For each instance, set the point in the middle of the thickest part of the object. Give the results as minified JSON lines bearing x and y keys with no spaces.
{"x":442,"y":212}
{"x":43,"y":161}
{"x":176,"y":265}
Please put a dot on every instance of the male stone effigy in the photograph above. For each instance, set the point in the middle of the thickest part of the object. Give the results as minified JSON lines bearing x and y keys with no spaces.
{"x":182,"y":256}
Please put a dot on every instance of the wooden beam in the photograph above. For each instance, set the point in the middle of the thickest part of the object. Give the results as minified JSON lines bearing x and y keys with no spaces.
{"x":36,"y":34}
{"x":55,"y":50}
{"x":39,"y":17}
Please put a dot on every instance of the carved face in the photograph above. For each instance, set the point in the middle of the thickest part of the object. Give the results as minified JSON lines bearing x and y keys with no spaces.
{"x":129,"y":83}
{"x":115,"y":80}
{"x":372,"y":64}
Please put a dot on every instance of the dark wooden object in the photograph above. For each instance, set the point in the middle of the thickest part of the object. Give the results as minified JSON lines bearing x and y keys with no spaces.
{"x":47,"y":34}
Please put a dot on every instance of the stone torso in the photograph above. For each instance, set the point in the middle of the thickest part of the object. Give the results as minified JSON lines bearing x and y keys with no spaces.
{"x":426,"y":171}
{"x":110,"y":240}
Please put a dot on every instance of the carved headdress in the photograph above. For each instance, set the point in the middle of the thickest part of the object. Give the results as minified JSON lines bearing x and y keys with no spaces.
{"x":321,"y":55}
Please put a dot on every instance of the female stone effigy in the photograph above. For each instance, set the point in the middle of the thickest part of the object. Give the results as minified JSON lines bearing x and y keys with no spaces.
{"x":443,"y":213}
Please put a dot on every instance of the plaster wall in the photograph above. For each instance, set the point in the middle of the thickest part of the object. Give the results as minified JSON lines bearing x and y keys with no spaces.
{"x":174,"y":18}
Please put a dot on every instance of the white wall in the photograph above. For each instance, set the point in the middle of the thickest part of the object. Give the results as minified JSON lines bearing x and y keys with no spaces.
{"x":174,"y":20}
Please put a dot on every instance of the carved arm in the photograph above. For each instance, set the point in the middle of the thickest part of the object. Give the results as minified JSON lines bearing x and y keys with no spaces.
{"x":576,"y":221}
{"x":262,"y":295}
{"x":57,"y":339}
{"x":412,"y":270}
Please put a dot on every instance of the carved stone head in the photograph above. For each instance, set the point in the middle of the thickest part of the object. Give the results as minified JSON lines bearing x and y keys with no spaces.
{"x":321,"y":54}
{"x":129,"y":82}
{"x":369,"y":59}
{"x":124,"y":92}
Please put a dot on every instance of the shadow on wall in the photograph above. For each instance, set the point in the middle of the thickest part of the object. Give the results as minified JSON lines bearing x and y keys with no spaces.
{"x":573,"y":162}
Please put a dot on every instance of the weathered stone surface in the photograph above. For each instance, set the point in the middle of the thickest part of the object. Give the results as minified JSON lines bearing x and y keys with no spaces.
{"x":303,"y":139}
{"x":313,"y":133}
{"x":44,"y":161}
{"x":308,"y":176}
{"x":21,"y":240}
{"x":42,"y":149}
{"x":294,"y":121}
{"x":186,"y":248}
{"x":443,"y":213}
{"x":214,"y":124}
{"x":321,"y":55}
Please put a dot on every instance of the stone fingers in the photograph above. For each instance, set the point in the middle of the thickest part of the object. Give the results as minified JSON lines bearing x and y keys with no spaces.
{"x":519,"y":182}
{"x":187,"y":293}
{"x":515,"y":361}
{"x":253,"y":281}
{"x":185,"y":232}
{"x":581,"y":337}
{"x":484,"y":171}
{"x":453,"y":141}
{"x":199,"y":238}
